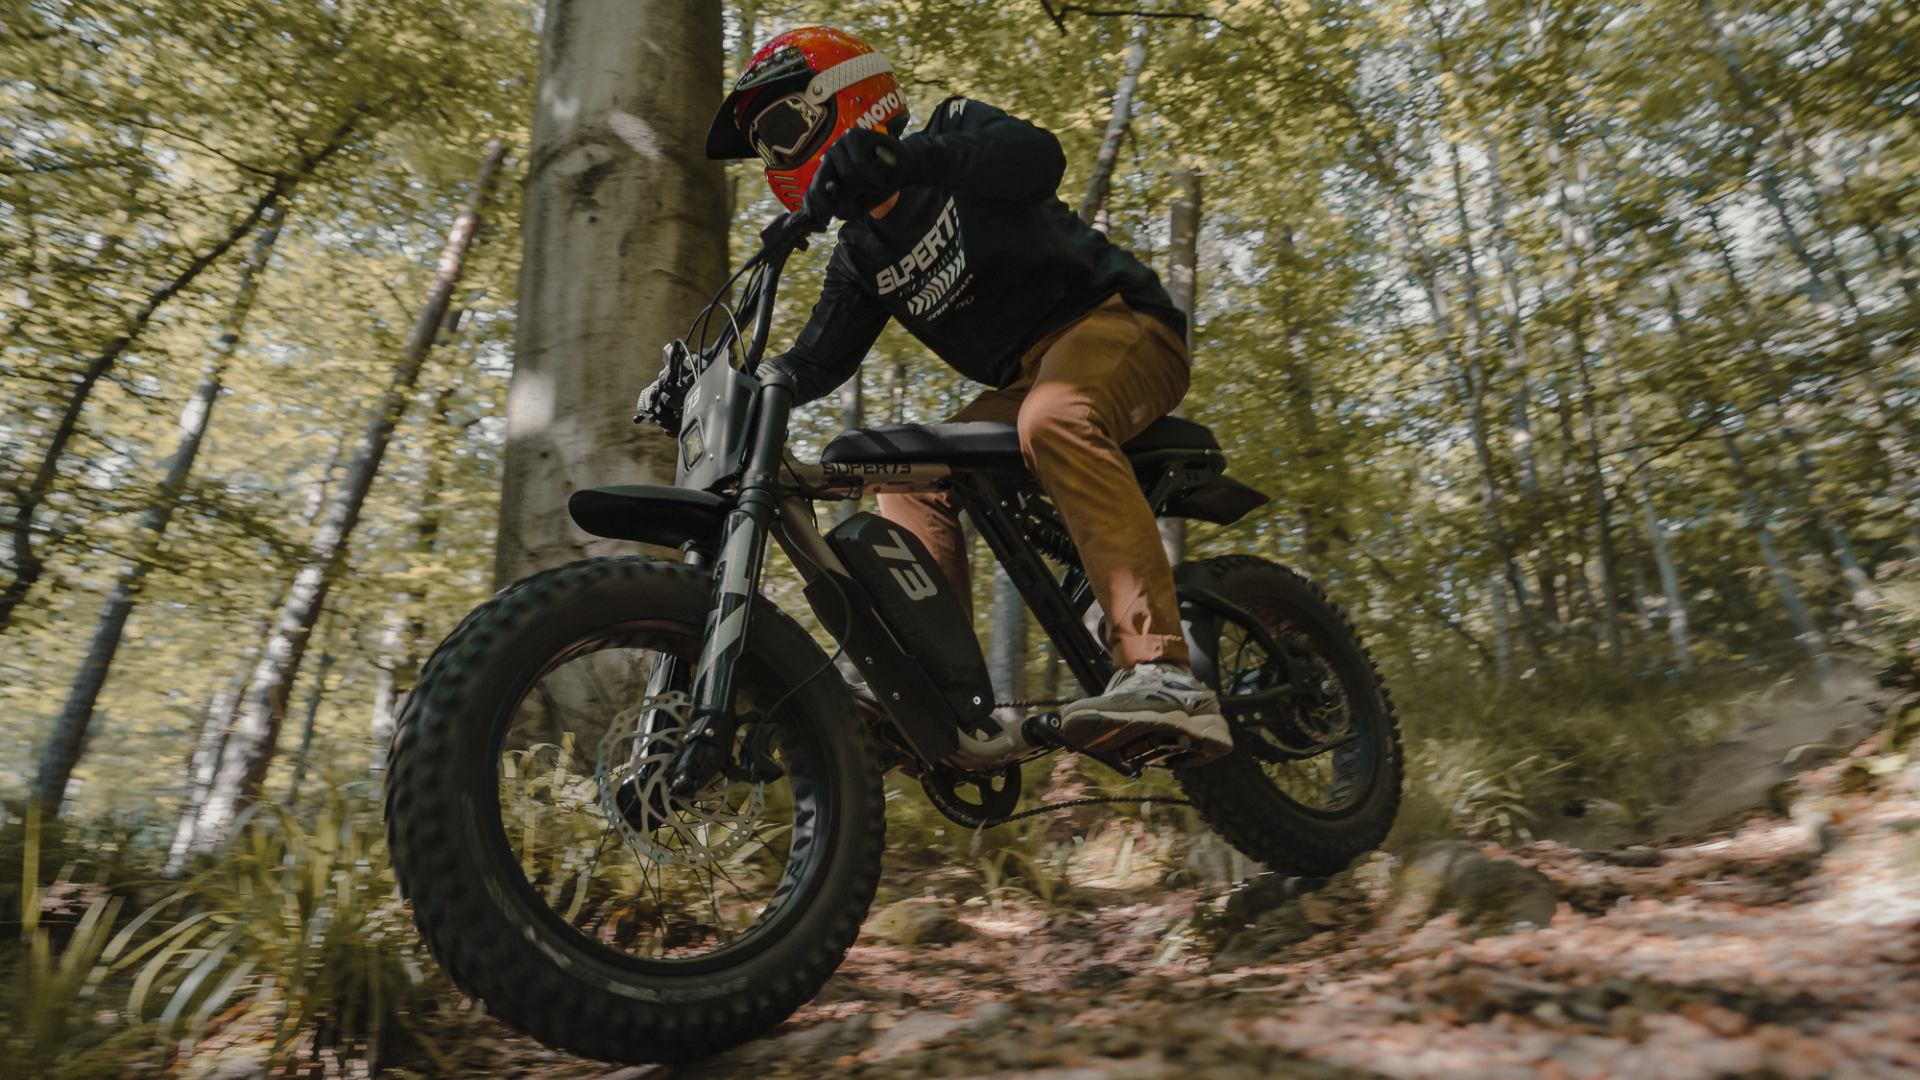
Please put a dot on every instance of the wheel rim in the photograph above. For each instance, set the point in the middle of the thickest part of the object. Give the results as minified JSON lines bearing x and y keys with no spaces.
{"x":597,"y":850}
{"x":1317,"y":745}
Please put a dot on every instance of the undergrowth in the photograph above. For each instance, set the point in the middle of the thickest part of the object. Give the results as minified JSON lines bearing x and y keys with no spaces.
{"x":292,"y":940}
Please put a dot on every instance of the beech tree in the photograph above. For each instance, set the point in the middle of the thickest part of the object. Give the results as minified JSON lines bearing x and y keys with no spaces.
{"x":625,"y":237}
{"x":250,"y":743}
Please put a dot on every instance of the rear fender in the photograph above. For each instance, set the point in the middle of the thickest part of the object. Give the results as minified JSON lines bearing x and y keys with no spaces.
{"x":1215,"y":498}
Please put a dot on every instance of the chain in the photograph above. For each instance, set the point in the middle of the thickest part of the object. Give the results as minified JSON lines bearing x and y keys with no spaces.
{"x":1065,"y":804}
{"x":1091,"y":800}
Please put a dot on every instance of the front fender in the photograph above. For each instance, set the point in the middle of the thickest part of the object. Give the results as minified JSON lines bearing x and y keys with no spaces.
{"x":649,"y":513}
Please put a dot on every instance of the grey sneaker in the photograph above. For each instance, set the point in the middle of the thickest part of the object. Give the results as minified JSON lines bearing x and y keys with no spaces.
{"x":1159,"y":704}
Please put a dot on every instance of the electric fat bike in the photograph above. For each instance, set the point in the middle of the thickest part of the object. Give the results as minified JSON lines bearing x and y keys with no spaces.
{"x":638,"y":809}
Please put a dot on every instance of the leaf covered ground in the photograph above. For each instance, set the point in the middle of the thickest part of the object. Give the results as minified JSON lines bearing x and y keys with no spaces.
{"x":1787,"y":946}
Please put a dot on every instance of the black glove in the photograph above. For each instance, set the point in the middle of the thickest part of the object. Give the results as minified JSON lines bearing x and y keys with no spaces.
{"x":660,"y":401}
{"x":861,"y":169}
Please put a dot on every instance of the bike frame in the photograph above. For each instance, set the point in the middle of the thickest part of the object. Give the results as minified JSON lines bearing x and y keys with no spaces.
{"x":727,"y":524}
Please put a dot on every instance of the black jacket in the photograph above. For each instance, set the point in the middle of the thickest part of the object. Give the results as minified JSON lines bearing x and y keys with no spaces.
{"x":979,"y":263}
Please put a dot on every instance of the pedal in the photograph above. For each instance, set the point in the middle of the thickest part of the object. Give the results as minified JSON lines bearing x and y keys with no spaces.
{"x":1043,"y":729}
{"x":1156,"y":749}
{"x":1166,"y":749}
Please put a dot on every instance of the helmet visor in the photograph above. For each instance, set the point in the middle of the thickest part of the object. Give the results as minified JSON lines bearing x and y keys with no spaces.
{"x":782,"y":131}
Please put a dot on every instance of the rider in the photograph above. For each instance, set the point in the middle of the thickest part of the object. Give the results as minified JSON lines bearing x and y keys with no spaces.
{"x":956,"y":231}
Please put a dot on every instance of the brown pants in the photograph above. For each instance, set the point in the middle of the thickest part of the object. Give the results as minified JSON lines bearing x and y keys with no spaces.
{"x":1081,"y":392}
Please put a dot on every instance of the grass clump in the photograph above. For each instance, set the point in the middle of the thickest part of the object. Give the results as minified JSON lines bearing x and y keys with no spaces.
{"x":291,"y":940}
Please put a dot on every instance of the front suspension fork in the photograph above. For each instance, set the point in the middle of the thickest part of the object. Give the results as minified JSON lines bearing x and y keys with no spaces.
{"x":708,"y":746}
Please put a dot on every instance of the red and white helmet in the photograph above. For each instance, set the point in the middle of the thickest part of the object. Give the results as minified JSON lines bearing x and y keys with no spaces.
{"x":803,"y":90}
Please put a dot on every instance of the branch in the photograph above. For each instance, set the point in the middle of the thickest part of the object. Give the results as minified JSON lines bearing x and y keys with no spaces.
{"x":1059,"y":18}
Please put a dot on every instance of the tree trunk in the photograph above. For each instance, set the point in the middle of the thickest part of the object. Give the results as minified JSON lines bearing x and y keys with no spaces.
{"x":1502,"y":637}
{"x":747,"y":18}
{"x":1759,"y":519}
{"x":1463,"y":358}
{"x":28,"y":566}
{"x":625,"y":237}
{"x":217,"y":720}
{"x":1759,"y":514}
{"x":1093,"y":205}
{"x":1315,"y":495}
{"x":256,"y":725}
{"x":1641,"y":485}
{"x":1007,"y":639}
{"x":303,"y":757}
{"x":897,"y":394}
{"x":1183,"y":262}
{"x":386,"y":685}
{"x":1514,"y":316}
{"x":1862,"y":592}
{"x":403,"y":639}
{"x":1602,"y":505}
{"x":1473,"y":379}
{"x":1577,"y":227}
{"x":70,"y":728}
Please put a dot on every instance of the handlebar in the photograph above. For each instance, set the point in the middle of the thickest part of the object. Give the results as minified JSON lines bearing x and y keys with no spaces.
{"x":779,"y":239}
{"x":788,"y":232}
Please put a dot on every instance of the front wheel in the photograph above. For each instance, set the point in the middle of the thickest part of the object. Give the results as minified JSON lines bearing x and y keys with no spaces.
{"x":1314,"y":779}
{"x":551,"y":871}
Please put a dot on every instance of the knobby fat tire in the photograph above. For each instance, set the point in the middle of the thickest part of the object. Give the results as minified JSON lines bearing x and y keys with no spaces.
{"x":531,"y":977}
{"x":1236,"y":798}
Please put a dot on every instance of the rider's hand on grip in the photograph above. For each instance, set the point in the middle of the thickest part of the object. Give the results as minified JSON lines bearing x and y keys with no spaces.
{"x":660,"y":401}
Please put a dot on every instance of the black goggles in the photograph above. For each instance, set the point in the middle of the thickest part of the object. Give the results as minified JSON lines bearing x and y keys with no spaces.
{"x":782,"y":131}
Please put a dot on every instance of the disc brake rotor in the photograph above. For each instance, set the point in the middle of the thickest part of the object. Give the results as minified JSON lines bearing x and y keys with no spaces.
{"x":1308,"y":718}
{"x":630,"y":778}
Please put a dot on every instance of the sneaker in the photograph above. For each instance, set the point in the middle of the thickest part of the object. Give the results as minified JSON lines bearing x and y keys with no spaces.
{"x":1156,"y":703}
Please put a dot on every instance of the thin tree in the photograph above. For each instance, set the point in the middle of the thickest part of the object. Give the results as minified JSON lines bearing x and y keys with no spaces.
{"x":1517,"y":368}
{"x":853,"y":415}
{"x":256,"y":726}
{"x":1093,"y":205}
{"x":1577,"y":229}
{"x":1183,"y":268}
{"x":403,"y":637}
{"x":70,"y":728}
{"x":216,"y":720}
{"x":28,"y":565}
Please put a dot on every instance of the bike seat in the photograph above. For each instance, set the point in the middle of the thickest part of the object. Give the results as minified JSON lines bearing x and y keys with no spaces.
{"x":991,"y":445}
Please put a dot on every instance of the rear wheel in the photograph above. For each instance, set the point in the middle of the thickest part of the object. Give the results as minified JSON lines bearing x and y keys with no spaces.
{"x":551,"y":872}
{"x":1314,"y":780}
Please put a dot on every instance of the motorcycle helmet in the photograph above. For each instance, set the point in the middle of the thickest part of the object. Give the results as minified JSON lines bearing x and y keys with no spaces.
{"x":800,"y":92}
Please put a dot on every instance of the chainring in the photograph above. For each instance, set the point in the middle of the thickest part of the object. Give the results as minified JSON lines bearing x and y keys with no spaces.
{"x":630,"y":779}
{"x":997,"y":794}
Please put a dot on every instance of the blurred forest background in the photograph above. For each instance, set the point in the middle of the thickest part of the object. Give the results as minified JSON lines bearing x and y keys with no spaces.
{"x":1575,"y":340}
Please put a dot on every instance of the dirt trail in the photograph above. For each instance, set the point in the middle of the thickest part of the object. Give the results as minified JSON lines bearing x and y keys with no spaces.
{"x":1788,"y":947}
